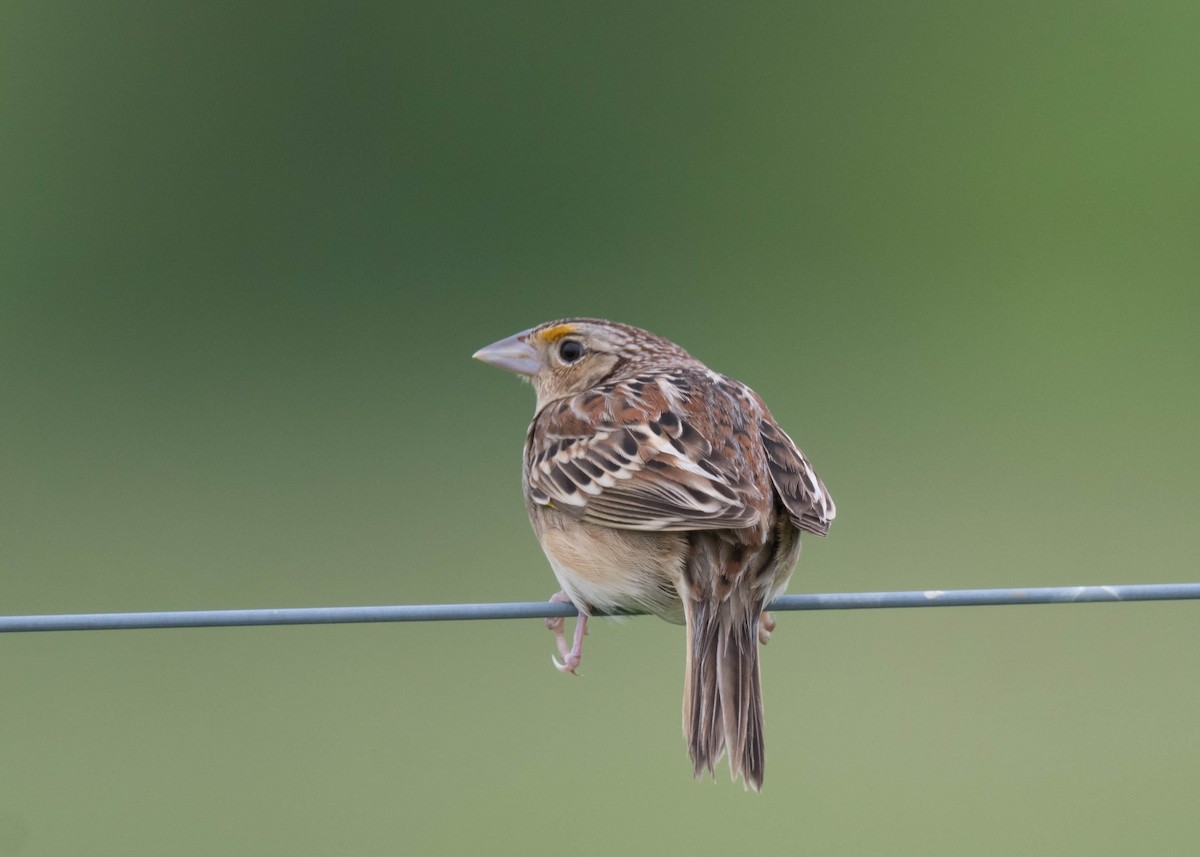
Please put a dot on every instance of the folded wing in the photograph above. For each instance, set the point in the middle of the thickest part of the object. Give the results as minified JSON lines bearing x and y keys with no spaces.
{"x":800,"y":489}
{"x":630,"y":457}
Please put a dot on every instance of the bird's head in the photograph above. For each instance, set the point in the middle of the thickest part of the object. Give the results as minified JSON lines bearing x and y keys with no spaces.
{"x":567,"y":357}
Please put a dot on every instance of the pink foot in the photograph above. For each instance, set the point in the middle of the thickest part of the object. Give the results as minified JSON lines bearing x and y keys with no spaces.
{"x":572,"y":656}
{"x":766,"y":625}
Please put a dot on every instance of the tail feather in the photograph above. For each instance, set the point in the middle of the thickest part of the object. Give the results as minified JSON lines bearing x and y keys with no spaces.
{"x":722,"y":704}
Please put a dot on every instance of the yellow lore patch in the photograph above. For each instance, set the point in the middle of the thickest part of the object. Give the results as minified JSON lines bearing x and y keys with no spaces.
{"x":553,"y":334}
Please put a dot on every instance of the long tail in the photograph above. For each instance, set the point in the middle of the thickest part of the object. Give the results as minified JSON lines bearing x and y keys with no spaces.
{"x":722,"y":696}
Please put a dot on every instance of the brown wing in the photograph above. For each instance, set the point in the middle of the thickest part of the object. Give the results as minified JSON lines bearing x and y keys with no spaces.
{"x":803,"y":493}
{"x":640,"y":455}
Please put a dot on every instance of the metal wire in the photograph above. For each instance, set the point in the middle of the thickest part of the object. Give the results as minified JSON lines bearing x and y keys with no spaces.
{"x":544,"y":609}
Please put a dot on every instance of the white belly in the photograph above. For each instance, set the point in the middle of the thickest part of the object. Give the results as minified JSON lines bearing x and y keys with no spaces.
{"x":609,"y":569}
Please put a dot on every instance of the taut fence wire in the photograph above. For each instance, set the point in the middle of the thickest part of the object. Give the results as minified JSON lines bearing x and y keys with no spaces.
{"x":546,"y":609}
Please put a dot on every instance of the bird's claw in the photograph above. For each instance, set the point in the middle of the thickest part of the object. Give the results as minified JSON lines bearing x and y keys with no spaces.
{"x":569,"y":666}
{"x":766,"y":624}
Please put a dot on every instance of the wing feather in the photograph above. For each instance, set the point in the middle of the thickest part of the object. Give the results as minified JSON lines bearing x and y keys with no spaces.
{"x":632,"y":460}
{"x":804,"y":495}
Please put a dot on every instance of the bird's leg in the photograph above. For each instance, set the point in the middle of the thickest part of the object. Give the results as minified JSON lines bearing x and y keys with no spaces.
{"x":766,"y":624}
{"x":555,"y":623}
{"x":570,"y":657}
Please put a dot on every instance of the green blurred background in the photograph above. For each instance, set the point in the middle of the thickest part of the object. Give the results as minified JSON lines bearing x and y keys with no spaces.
{"x":246,"y":251}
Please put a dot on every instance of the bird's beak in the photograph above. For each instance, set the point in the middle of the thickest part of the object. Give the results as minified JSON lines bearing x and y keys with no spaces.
{"x":514,"y":354}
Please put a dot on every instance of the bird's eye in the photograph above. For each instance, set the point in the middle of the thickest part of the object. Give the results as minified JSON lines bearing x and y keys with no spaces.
{"x":570,"y":350}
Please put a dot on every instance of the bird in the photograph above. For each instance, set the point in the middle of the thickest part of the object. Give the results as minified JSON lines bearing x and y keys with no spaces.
{"x":655,"y":484}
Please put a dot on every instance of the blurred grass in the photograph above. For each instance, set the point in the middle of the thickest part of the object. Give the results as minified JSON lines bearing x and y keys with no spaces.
{"x":244,"y":259}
